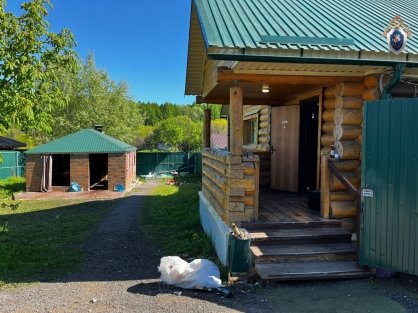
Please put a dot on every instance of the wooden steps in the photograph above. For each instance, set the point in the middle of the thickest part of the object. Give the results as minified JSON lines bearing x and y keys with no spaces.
{"x":307,"y":252}
{"x":299,"y":236}
{"x":303,"y":250}
{"x":280,"y":225}
{"x":309,"y":270}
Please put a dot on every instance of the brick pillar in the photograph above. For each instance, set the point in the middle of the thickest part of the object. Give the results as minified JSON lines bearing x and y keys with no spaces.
{"x":80,"y":170}
{"x":33,"y":172}
{"x":117,"y":169}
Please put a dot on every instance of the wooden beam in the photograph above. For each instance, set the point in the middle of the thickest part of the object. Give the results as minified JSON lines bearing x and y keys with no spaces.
{"x":227,"y":75}
{"x":246,"y":101}
{"x":206,"y":128}
{"x":318,"y":147}
{"x":236,"y":139}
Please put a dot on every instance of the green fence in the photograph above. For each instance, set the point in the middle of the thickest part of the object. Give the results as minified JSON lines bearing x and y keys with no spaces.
{"x":13,"y":164}
{"x":158,"y":163}
{"x":389,"y":218}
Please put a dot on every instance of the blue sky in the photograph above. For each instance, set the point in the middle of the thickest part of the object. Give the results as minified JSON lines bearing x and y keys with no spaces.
{"x":142,"y":42}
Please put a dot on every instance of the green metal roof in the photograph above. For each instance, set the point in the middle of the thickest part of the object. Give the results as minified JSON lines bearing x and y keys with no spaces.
{"x":83,"y":141}
{"x":330,"y":25}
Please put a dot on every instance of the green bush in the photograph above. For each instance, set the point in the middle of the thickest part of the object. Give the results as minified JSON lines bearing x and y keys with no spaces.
{"x":11,"y":185}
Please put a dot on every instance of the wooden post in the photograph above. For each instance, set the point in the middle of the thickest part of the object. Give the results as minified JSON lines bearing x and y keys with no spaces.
{"x":206,"y":128}
{"x":236,"y":139}
{"x":325,"y":202}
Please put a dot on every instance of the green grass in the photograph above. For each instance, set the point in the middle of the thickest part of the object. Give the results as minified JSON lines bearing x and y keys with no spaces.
{"x":42,"y":239}
{"x":171,"y":217}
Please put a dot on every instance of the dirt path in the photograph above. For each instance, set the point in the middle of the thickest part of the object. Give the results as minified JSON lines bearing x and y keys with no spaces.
{"x":119,"y":274}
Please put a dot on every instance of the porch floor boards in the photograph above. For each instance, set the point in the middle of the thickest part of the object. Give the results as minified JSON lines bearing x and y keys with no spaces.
{"x":279,"y":206}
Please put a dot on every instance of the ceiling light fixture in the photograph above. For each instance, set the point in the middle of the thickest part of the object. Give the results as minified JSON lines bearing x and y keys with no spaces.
{"x":265,"y":88}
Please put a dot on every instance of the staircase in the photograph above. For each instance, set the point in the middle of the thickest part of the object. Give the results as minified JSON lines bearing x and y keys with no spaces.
{"x":302,"y":250}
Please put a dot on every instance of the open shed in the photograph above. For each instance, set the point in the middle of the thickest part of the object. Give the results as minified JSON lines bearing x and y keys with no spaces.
{"x":295,"y":78}
{"x":88,"y":157}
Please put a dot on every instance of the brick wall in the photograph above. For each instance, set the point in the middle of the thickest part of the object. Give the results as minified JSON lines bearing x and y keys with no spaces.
{"x":122,"y":169}
{"x":79,"y":170}
{"x":116,"y":170}
{"x":33,"y":172}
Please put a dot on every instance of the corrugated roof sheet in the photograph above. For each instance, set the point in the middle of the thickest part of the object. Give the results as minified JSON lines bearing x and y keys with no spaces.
{"x":83,"y":141}
{"x":219,"y":141}
{"x":243,"y":23}
{"x":7,"y":143}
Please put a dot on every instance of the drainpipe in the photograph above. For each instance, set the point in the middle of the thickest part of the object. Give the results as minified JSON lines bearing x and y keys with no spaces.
{"x":398,"y":69}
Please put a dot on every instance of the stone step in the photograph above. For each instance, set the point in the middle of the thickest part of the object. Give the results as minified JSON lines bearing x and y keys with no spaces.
{"x":305,"y":252}
{"x":309,"y":270}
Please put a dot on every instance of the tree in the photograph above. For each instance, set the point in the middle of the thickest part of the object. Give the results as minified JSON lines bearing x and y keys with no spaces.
{"x":29,"y":57}
{"x":219,"y":126}
{"x":151,"y":113}
{"x":179,"y":132}
{"x":93,"y":98}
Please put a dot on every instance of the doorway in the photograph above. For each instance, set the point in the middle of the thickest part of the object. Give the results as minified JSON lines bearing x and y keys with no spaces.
{"x":308,"y":145}
{"x":60,"y":170}
{"x":98,"y":166}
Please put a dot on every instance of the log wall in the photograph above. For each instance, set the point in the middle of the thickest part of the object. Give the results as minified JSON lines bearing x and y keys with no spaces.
{"x":342,"y":126}
{"x":230,"y":184}
{"x":265,"y":168}
{"x":263,"y":113}
{"x":262,"y":149}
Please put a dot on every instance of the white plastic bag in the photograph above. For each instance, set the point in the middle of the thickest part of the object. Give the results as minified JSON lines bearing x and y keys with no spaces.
{"x":198,"y":274}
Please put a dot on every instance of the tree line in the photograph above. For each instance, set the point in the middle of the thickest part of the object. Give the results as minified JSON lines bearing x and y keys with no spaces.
{"x":47,"y":91}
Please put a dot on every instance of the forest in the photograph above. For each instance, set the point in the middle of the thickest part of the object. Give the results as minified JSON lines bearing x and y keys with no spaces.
{"x":47,"y":91}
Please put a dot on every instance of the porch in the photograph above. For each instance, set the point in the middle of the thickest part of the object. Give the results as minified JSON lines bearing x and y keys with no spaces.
{"x":290,"y":241}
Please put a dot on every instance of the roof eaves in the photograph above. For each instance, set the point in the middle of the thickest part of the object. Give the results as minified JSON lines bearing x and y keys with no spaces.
{"x":202,"y":18}
{"x":307,"y":60}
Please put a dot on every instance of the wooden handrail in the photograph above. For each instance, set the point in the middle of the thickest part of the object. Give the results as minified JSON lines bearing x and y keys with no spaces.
{"x":357,"y":199}
{"x":347,"y":184}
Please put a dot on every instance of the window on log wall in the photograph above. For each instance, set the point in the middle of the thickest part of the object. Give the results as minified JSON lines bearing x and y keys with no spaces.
{"x":250,"y":129}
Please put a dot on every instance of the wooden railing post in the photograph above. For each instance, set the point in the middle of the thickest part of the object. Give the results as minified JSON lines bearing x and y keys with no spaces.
{"x":325,"y":175}
{"x":236,"y":121}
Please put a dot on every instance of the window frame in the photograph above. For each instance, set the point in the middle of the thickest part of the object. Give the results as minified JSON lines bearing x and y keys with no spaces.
{"x":250,"y":139}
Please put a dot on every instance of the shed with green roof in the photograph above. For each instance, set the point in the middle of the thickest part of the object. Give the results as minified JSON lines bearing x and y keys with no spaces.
{"x":88,"y":157}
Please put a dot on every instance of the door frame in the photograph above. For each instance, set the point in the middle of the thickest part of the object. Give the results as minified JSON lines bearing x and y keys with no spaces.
{"x":297,"y":100}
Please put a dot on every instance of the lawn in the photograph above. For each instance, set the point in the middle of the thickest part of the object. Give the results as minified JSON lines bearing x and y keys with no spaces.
{"x":171,"y":217}
{"x":41,"y":240}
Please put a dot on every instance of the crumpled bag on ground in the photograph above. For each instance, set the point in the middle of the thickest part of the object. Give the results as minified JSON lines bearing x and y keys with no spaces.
{"x":198,"y":274}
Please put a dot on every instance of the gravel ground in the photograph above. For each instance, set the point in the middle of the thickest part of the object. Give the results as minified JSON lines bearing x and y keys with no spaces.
{"x":120,"y":274}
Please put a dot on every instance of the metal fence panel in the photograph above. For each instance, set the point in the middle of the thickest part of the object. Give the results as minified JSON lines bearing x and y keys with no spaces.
{"x":166,"y":162}
{"x":13,"y":164}
{"x":389,"y":219}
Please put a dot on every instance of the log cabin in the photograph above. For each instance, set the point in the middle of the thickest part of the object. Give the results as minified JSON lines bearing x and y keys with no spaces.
{"x":296,"y":78}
